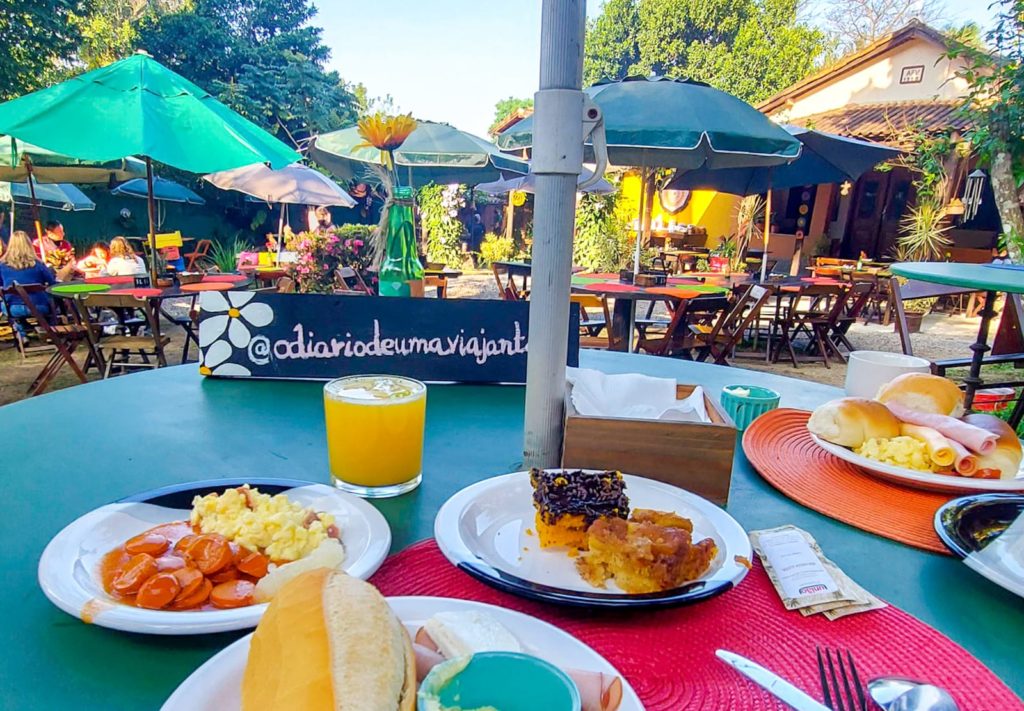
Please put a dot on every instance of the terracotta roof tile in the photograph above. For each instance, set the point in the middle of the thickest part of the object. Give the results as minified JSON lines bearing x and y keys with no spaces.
{"x":886,"y":122}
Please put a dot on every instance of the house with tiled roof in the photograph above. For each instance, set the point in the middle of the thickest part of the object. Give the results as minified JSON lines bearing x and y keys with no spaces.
{"x":894,"y":86}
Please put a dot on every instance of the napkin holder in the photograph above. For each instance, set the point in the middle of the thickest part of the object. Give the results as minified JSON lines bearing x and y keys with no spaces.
{"x":646,"y":279}
{"x":696,"y":456}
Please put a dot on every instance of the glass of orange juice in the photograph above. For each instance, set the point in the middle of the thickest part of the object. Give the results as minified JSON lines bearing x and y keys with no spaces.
{"x":375,"y":433}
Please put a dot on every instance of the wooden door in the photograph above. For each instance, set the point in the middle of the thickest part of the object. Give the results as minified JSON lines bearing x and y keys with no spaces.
{"x":866,"y":213}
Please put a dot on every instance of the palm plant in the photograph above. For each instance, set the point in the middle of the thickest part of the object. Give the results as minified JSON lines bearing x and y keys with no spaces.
{"x":924,"y":232}
{"x":224,"y":256}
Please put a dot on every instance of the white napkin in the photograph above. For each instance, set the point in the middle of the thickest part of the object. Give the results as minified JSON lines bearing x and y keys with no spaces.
{"x":633,"y":396}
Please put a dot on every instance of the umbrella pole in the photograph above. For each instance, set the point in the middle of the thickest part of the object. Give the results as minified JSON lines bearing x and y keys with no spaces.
{"x":640,"y":220}
{"x":35,"y":207}
{"x":280,"y":232}
{"x":151,"y":209}
{"x":767,"y":227}
{"x":557,"y":161}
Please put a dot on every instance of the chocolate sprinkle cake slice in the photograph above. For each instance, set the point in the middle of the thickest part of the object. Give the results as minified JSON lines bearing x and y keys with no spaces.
{"x":568,"y":501}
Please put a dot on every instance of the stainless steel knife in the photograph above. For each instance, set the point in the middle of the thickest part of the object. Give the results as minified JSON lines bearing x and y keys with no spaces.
{"x":771,"y":682}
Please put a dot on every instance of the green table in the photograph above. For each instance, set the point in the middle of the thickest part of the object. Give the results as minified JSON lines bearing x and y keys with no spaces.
{"x":991,"y":279}
{"x":135,"y":432}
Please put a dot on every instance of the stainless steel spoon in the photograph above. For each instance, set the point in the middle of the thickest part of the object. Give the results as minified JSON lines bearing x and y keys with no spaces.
{"x":901,"y":694}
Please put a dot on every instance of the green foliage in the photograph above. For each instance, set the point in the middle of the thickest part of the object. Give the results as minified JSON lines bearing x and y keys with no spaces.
{"x":439,"y":214}
{"x":602,"y":241}
{"x":37,"y":36}
{"x":924,"y":231}
{"x":320,"y":254}
{"x":506,"y":106}
{"x":496,"y":249}
{"x":110,"y":28}
{"x":263,"y":58}
{"x":224,"y":255}
{"x":927,"y":157}
{"x":750,"y":48}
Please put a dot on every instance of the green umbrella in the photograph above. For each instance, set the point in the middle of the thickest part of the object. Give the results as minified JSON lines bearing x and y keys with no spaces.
{"x":138,"y":107}
{"x":656,"y":122}
{"x":433,"y":153}
{"x":19,"y":159}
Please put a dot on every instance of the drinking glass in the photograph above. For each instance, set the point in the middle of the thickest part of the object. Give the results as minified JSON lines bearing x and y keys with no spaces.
{"x":375,"y":433}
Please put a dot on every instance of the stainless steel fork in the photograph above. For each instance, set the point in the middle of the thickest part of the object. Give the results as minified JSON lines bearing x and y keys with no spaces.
{"x":833,"y":686}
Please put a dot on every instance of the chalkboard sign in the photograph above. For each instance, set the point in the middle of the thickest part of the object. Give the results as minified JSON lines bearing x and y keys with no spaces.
{"x":246,"y":334}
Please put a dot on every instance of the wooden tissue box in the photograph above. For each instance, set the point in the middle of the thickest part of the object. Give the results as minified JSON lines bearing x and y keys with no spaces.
{"x":696,"y":456}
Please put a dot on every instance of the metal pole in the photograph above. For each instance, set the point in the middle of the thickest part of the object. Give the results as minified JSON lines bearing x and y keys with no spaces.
{"x":151,"y":209}
{"x":557,"y":161}
{"x":640,"y":220}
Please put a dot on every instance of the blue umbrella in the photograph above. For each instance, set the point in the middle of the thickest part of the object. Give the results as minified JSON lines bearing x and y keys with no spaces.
{"x":163,"y":190}
{"x":55,"y":196}
{"x":825,"y":158}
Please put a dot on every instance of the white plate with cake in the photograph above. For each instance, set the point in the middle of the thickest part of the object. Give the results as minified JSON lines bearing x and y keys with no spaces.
{"x":593,"y":539}
{"x":915,"y":432}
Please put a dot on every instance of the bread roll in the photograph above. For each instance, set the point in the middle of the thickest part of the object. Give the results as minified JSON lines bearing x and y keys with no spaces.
{"x":925,"y":393}
{"x":1006,"y":457}
{"x":850,"y":421}
{"x":329,"y":642}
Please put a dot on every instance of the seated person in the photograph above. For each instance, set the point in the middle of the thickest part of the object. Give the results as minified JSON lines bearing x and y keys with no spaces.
{"x":93,"y":264}
{"x":123,"y":260}
{"x":52,"y":239}
{"x":19,"y":265}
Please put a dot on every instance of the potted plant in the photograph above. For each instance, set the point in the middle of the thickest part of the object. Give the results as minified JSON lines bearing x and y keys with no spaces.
{"x":721,"y":257}
{"x":923,"y":237}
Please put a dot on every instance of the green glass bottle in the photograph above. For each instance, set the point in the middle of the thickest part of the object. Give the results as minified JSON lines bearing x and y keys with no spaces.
{"x":401,"y":262}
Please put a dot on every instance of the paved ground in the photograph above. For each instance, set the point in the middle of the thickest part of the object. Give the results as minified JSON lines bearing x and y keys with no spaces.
{"x":941,"y":337}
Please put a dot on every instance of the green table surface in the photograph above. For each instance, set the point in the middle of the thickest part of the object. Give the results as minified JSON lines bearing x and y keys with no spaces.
{"x":971,"y":276}
{"x":171,"y":425}
{"x":76,"y":288}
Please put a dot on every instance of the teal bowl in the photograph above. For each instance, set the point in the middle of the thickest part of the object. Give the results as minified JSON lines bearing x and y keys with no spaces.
{"x":744,"y":410}
{"x":508,"y":681}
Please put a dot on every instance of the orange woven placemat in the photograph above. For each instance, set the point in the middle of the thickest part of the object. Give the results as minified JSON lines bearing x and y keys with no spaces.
{"x":782,"y":451}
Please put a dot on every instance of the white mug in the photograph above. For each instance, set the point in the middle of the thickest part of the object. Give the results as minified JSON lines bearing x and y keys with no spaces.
{"x":867,"y":371}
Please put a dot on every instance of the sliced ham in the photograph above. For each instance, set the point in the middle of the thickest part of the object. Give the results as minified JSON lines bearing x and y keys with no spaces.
{"x":973,"y":438}
{"x":966,"y":464}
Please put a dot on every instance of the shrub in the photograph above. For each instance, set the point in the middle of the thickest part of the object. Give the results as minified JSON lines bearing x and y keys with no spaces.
{"x":496,"y":249}
{"x":439,"y":213}
{"x":321,"y":253}
{"x":602,"y":242}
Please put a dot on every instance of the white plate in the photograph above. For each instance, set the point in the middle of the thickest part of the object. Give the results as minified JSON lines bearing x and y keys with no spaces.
{"x":483,"y":530}
{"x":67,"y":568}
{"x":922,"y":480}
{"x":216,"y":686}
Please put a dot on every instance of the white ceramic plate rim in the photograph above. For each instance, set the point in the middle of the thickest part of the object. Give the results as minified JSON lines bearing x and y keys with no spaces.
{"x":917,"y":479}
{"x":209,"y":687}
{"x":734,"y":539}
{"x":60,"y":559}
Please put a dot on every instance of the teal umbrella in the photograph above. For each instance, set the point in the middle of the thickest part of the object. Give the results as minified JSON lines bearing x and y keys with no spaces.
{"x":55,"y":196}
{"x":19,"y":159}
{"x":139,"y":107}
{"x":164,"y":190}
{"x":433,"y":153}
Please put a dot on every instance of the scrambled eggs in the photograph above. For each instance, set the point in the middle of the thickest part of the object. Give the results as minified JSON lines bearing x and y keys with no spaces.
{"x":274,"y":525}
{"x":899,"y":451}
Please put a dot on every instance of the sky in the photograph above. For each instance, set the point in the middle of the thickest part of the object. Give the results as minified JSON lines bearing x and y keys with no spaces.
{"x":452,"y":60}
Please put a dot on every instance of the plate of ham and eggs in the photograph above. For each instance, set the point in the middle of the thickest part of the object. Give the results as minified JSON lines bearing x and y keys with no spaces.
{"x":915,"y":433}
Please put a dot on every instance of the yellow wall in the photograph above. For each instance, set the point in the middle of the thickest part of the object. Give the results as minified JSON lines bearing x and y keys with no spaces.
{"x":715,"y":212}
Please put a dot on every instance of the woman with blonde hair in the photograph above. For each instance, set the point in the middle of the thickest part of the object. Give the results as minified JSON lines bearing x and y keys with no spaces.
{"x":123,"y":260}
{"x":19,"y":265}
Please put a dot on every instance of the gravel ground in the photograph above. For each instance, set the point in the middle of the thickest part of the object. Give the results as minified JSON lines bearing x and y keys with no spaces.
{"x":941,"y":337}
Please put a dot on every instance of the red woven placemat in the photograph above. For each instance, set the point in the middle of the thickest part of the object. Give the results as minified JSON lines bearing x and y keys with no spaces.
{"x":225,"y":278}
{"x":781,"y":449}
{"x":110,"y":280}
{"x":669,"y":655}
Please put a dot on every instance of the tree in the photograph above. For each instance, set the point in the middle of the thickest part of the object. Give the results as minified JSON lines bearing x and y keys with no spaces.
{"x":38,"y":37}
{"x":503,"y":108}
{"x":110,"y":29}
{"x":261,"y":57}
{"x":750,"y":48}
{"x":994,"y":105}
{"x":856,"y":23}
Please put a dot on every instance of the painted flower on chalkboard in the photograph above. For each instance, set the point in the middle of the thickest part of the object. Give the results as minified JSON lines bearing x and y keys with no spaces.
{"x":227,"y":328}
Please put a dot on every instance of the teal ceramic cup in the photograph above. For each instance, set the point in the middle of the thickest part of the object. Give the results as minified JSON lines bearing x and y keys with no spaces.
{"x":745,"y":409}
{"x":503,"y":680}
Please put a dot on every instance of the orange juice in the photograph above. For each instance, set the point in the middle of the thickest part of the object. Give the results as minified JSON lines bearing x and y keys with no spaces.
{"x":375,"y":433}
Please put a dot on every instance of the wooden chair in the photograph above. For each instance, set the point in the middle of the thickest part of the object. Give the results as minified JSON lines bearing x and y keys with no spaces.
{"x":437,"y":282}
{"x":21,"y":337}
{"x":856,"y":301}
{"x":823,"y":308}
{"x":507,"y":288}
{"x":285,"y":285}
{"x":898,"y":293}
{"x":591,"y":327}
{"x":119,"y":350}
{"x":722,"y":338}
{"x":350,"y":280}
{"x":64,"y":338}
{"x":198,"y":255}
{"x":689,"y":317}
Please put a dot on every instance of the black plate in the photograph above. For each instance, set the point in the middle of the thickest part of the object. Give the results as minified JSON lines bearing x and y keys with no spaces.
{"x":179,"y":496}
{"x":969,"y":523}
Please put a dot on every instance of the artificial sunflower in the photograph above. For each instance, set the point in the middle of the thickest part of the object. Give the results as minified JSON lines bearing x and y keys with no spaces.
{"x":385,"y":133}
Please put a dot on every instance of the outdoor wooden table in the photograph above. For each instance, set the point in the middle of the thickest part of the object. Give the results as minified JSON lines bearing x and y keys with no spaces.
{"x":626,"y":297}
{"x":990,"y":278}
{"x":196,"y":428}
